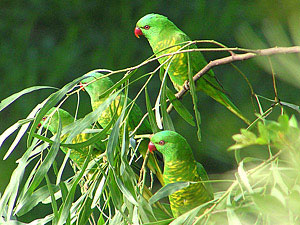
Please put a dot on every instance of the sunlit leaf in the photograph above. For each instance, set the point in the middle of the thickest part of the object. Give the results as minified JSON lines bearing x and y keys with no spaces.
{"x":7,"y":101}
{"x":51,"y":101}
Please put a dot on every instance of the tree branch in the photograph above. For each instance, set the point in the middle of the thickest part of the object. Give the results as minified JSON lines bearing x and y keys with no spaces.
{"x":239,"y":57}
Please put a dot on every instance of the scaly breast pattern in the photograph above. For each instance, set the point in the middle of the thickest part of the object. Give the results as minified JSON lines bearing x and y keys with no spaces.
{"x":187,"y":198}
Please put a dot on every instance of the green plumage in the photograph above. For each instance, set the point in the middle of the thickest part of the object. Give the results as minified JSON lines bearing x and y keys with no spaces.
{"x":162,"y":33}
{"x":66,"y":118}
{"x":180,"y":165}
{"x":96,"y":89}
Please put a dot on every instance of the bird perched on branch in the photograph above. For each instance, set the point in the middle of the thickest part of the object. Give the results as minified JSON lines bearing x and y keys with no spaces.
{"x":162,"y":34}
{"x":96,"y":90}
{"x":180,"y":165}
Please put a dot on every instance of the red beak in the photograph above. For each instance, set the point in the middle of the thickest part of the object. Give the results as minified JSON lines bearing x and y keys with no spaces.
{"x":81,"y":86}
{"x":138,"y":32}
{"x":39,"y":125}
{"x":151,"y":147}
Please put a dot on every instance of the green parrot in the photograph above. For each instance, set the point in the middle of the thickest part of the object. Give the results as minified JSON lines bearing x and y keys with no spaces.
{"x":95,"y":90}
{"x":162,"y":33}
{"x":66,"y":119}
{"x":180,"y":165}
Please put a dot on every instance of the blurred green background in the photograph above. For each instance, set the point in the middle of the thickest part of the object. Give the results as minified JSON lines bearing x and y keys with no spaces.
{"x":53,"y":42}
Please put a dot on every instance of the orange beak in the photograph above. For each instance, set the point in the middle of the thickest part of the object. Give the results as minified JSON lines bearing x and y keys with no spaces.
{"x":151,"y":147}
{"x":138,"y":32}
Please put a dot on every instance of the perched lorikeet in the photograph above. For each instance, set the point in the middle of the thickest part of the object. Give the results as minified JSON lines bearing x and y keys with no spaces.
{"x":66,"y":119}
{"x":95,"y":90}
{"x":162,"y":33}
{"x":180,"y":165}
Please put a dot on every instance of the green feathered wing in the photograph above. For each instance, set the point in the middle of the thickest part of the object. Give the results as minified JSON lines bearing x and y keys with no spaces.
{"x":96,"y":90}
{"x":180,"y":165}
{"x":163,"y":34}
{"x":78,"y":157}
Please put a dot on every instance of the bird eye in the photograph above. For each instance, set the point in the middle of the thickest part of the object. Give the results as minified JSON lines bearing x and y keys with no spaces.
{"x":44,"y":118}
{"x":161,"y":142}
{"x":146,"y":27}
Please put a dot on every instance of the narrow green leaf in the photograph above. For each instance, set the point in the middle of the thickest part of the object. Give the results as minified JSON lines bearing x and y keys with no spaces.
{"x":290,"y":105}
{"x":9,"y":196}
{"x":244,"y":178}
{"x":99,"y":191}
{"x":51,"y":101}
{"x":187,"y":218}
{"x":21,"y":131}
{"x":61,"y":169}
{"x":144,"y":211}
{"x":64,"y":211}
{"x":52,"y":191}
{"x":114,"y":136}
{"x":125,"y":191}
{"x":194,"y":98}
{"x":231,"y":215}
{"x":85,"y":212}
{"x":151,"y":116}
{"x":115,"y":192}
{"x":8,"y":132}
{"x":38,"y":196}
{"x":91,"y":117}
{"x":161,"y":222}
{"x":118,"y":84}
{"x":167,"y":122}
{"x":46,"y":164}
{"x":7,"y":101}
{"x":180,"y":108}
{"x":168,"y":190}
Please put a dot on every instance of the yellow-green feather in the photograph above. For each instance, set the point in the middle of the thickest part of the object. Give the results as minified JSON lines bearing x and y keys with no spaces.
{"x":190,"y":197}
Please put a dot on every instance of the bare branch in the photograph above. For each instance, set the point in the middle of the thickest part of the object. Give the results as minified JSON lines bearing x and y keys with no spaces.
{"x":239,"y":57}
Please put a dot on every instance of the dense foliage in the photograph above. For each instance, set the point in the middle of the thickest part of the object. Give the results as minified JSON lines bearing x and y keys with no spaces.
{"x":54,"y":43}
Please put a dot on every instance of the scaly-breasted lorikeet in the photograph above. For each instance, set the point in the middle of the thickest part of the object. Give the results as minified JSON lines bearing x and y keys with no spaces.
{"x":162,"y":33}
{"x":66,"y":118}
{"x":95,"y":90}
{"x":180,"y":165}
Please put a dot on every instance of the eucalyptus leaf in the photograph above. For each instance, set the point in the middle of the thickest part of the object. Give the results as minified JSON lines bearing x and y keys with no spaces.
{"x":168,"y":190}
{"x":51,"y":101}
{"x":7,"y":101}
{"x":31,"y":201}
{"x":180,"y":108}
{"x":194,"y":97}
{"x":151,"y":116}
{"x":91,"y":117}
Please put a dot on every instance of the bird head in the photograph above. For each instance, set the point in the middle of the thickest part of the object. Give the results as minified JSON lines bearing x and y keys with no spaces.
{"x":98,"y":87}
{"x":151,"y":26}
{"x":51,"y":119}
{"x":171,"y":144}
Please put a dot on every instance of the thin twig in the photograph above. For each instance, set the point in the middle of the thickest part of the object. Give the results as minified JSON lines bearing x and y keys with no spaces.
{"x":239,"y":57}
{"x":143,"y":169}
